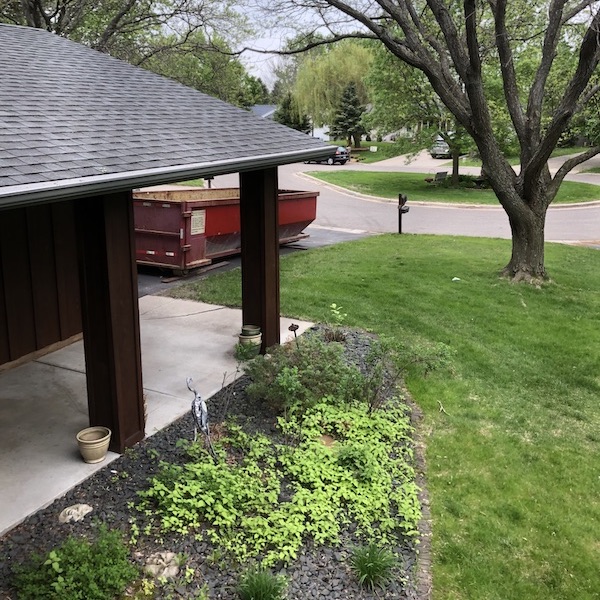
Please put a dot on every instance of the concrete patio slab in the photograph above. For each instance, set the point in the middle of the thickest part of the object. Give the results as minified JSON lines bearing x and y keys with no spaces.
{"x":43,"y":403}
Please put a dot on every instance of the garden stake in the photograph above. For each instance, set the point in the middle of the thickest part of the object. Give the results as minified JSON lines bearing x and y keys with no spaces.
{"x":293,"y":328}
{"x":200,"y":414}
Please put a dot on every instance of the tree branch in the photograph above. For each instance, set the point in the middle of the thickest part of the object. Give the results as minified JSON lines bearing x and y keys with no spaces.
{"x":589,"y":56}
{"x":536,"y":94}
{"x":568,"y":166}
{"x":507,"y":66}
{"x":113,"y":26}
{"x":576,"y":10}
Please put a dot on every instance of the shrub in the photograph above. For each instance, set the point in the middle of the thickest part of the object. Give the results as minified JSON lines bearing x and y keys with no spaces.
{"x":78,"y":570}
{"x":298,"y":376}
{"x":372,"y":565}
{"x":258,"y":584}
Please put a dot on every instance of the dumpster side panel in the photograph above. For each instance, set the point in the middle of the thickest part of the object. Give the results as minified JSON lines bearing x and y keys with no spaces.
{"x":296,"y":212}
{"x":183,"y":228}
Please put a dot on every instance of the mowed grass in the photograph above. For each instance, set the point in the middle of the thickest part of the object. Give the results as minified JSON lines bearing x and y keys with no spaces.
{"x":513,"y":459}
{"x":389,"y":184}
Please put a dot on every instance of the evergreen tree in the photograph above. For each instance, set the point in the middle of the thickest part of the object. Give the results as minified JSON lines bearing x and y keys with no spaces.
{"x":348,"y":119}
{"x":287,"y":113}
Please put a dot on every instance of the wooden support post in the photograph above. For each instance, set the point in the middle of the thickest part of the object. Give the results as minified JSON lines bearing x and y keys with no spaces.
{"x":111,"y":330}
{"x":260,"y":252}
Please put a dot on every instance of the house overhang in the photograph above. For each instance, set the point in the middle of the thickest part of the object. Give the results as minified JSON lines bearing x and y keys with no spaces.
{"x":52,"y":191}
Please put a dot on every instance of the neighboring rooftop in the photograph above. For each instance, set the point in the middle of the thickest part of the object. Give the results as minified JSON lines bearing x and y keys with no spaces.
{"x":74,"y":118}
{"x":264,"y":111}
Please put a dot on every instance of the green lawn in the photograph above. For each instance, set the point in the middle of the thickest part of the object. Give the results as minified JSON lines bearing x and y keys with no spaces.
{"x":386,"y":184}
{"x":514,"y":458}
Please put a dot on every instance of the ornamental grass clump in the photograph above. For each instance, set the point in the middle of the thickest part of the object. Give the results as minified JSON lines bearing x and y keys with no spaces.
{"x":260,"y":584}
{"x":372,"y":565}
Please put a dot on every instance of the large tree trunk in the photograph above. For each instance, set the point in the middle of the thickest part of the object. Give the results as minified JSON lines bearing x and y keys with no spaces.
{"x":455,"y":167}
{"x":527,"y":259}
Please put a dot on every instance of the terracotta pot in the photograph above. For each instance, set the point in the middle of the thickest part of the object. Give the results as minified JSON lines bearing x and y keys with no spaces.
{"x":93,"y":443}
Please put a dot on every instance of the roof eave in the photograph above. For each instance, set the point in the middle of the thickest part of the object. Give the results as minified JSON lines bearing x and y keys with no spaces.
{"x":52,"y":191}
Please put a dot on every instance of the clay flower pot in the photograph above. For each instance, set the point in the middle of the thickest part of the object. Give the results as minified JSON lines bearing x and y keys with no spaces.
{"x":251,"y":339}
{"x":93,"y":443}
{"x":250,"y":330}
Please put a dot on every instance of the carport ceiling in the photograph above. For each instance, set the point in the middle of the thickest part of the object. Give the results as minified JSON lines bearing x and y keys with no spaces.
{"x":75,"y":122}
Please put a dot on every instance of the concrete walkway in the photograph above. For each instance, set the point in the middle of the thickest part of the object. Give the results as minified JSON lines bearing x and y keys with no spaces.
{"x":43,"y":403}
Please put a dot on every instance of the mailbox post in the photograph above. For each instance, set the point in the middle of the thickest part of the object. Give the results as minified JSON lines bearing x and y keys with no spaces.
{"x":402,"y":209}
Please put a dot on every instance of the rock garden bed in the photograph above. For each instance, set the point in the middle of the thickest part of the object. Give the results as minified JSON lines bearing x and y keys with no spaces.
{"x":298,"y":487}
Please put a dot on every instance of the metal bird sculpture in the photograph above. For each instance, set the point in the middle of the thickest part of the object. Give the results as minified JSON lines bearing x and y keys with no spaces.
{"x":200,"y":414}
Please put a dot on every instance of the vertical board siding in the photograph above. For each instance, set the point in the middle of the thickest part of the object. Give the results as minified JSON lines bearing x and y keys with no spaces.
{"x":67,"y":269}
{"x":4,"y":346}
{"x":39,"y":285}
{"x":43,"y":275}
{"x":14,"y":249}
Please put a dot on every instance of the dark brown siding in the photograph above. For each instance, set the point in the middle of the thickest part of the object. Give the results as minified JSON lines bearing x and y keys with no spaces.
{"x":39,"y":285}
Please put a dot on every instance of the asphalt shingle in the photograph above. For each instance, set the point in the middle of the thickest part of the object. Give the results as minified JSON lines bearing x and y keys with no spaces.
{"x":67,"y":111}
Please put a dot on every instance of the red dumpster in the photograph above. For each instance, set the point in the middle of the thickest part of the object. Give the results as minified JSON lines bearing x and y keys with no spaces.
{"x":181,"y":228}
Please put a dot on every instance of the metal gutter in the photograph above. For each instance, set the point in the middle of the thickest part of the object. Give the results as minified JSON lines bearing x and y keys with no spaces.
{"x":65,"y":189}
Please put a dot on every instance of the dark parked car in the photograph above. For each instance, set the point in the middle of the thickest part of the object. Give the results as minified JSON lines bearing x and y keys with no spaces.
{"x":339,"y":155}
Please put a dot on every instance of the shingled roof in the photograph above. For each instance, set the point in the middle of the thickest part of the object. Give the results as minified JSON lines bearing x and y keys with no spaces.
{"x":76,"y":122}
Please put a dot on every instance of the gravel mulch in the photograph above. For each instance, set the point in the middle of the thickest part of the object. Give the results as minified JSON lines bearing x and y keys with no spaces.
{"x":319,"y":572}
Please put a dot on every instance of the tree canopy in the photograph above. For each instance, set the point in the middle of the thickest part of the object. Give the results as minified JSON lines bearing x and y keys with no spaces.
{"x":287,"y":113}
{"x":347,"y":122}
{"x":133,"y":30}
{"x":323,"y":77}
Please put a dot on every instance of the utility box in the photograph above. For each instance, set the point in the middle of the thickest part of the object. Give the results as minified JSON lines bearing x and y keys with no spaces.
{"x":181,"y":228}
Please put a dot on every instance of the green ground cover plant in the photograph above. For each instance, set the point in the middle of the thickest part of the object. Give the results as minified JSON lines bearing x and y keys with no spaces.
{"x":385,"y":184}
{"x":513,"y":443}
{"x":78,"y":570}
{"x":265,"y":497}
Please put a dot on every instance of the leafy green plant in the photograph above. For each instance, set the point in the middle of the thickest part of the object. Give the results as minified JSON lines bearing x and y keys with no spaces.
{"x":259,"y":584}
{"x":334,"y":331}
{"x":373,"y":565}
{"x":337,"y":316}
{"x":78,"y":570}
{"x":245,"y":352}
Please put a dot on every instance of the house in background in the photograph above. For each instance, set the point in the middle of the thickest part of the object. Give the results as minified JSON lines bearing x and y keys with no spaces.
{"x":78,"y":131}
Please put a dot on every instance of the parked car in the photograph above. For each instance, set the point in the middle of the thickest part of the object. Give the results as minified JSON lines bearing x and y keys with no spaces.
{"x":440,"y":148}
{"x":339,"y":155}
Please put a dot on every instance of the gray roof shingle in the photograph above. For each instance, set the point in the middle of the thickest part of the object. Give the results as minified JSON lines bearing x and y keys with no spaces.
{"x":74,"y":121}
